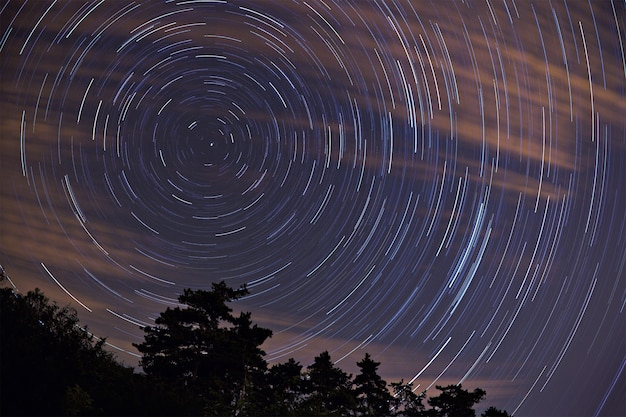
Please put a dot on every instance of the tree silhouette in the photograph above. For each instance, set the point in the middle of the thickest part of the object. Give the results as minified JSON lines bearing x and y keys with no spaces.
{"x":205,"y":349}
{"x":49,"y":365}
{"x":373,"y":397}
{"x":327,"y":389}
{"x":494,"y":412}
{"x":454,"y":401}
{"x":406,"y":403}
{"x":200,"y":359}
{"x":282,"y":392}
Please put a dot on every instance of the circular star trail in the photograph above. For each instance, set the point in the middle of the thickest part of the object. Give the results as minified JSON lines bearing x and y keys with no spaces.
{"x":439,"y":184}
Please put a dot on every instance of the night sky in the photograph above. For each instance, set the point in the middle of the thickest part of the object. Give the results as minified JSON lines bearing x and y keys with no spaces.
{"x":440,"y":184}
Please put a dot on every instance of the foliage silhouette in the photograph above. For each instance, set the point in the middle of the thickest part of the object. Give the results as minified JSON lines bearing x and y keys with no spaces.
{"x":327,"y":389}
{"x":281,"y":392}
{"x":454,"y":401}
{"x":198,"y":360}
{"x":373,"y":396}
{"x":206,"y":350}
{"x":406,"y":403}
{"x":494,"y":412}
{"x":50,"y":365}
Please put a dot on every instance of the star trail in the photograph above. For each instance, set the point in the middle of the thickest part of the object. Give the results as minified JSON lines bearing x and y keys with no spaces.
{"x":440,"y":184}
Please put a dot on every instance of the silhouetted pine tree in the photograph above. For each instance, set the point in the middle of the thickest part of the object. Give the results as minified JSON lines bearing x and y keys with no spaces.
{"x":373,"y":396}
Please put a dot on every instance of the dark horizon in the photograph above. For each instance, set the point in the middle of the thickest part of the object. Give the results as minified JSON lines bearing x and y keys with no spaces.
{"x":440,"y":184}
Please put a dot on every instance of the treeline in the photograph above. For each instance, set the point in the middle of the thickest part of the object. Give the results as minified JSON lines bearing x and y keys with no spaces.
{"x":200,"y":359}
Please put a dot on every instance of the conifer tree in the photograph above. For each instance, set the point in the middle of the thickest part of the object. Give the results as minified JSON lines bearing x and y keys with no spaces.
{"x":207,"y":350}
{"x":454,"y":401}
{"x":373,"y":396}
{"x":327,"y":389}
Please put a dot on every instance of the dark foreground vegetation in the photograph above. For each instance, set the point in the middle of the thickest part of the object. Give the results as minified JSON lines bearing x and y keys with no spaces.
{"x":197,"y":360}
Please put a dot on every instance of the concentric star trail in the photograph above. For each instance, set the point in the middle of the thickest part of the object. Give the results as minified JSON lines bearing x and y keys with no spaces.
{"x":440,"y":184}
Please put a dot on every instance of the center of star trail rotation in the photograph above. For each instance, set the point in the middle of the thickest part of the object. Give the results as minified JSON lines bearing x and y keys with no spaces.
{"x":439,"y":184}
